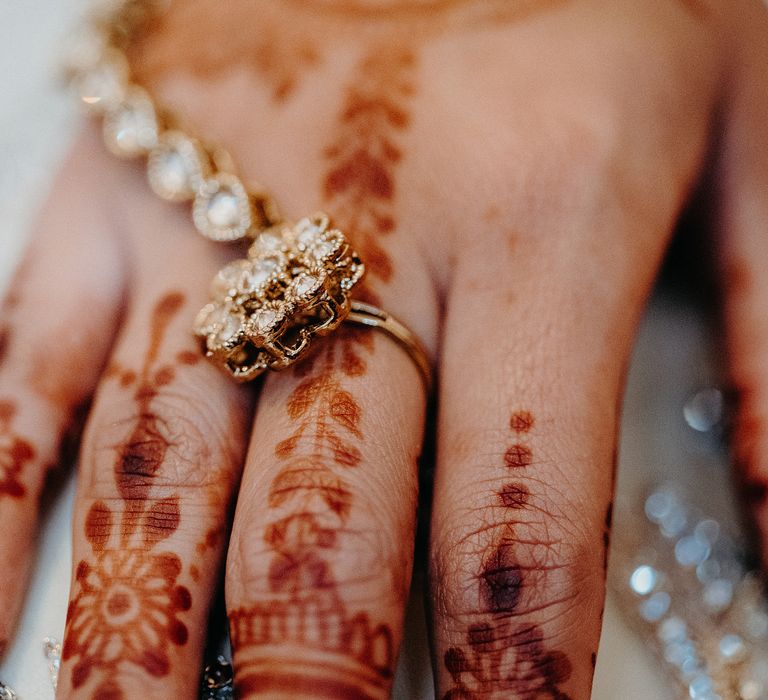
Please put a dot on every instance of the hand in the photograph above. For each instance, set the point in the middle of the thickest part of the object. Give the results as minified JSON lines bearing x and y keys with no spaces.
{"x":511,"y":172}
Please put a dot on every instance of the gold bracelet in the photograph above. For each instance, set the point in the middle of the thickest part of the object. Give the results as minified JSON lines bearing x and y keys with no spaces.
{"x":297,"y":279}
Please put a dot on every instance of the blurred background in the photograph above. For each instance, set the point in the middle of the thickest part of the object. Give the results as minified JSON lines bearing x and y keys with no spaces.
{"x":672,"y":434}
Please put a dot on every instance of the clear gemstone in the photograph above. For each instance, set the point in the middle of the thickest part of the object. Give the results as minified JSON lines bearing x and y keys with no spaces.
{"x":103,"y":85}
{"x":323,"y":249}
{"x":228,"y":329}
{"x":305,"y":284}
{"x":267,"y":242}
{"x":208,"y":319}
{"x":260,"y":272}
{"x":223,"y":210}
{"x":130,"y":129}
{"x":229,"y":279}
{"x":307,"y":233}
{"x":175,"y":167}
{"x":264,"y":319}
{"x":172,"y":175}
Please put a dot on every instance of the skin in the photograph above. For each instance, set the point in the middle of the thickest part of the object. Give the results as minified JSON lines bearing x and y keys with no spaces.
{"x":512,"y":174}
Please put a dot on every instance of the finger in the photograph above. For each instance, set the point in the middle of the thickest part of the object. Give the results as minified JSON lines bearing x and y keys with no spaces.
{"x":522,"y":503}
{"x":548,"y":299}
{"x":743,"y":220}
{"x":161,"y":456}
{"x":321,"y":551}
{"x":56,"y":326}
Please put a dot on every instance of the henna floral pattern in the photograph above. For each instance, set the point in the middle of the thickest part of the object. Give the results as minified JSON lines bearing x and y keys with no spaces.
{"x":504,"y":655}
{"x":305,"y":607}
{"x":125,"y":612}
{"x":127,"y":603}
{"x":360,"y":182}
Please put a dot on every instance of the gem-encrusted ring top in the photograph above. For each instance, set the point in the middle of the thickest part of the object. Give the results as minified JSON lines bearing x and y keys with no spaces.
{"x":294,"y":284}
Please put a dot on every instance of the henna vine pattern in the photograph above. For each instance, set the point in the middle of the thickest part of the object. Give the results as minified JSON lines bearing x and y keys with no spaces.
{"x":15,"y":453}
{"x":505,"y":657}
{"x":305,"y":608}
{"x":127,"y":602}
{"x":359,"y":185}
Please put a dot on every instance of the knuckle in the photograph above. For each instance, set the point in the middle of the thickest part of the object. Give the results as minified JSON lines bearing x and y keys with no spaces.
{"x":540,"y":565}
{"x":169,"y":446}
{"x":353,"y":558}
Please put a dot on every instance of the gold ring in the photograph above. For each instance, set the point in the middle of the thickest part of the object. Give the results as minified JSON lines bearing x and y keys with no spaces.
{"x":295,"y":284}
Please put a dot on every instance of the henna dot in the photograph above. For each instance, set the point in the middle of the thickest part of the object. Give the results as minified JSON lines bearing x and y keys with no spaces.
{"x":127,"y":378}
{"x":514,"y":495}
{"x":178,"y":633}
{"x":108,"y":691}
{"x":7,"y":411}
{"x":98,"y":525}
{"x":80,"y":674}
{"x":455,"y":661}
{"x":518,"y":456}
{"x":118,"y":604}
{"x":521,"y":421}
{"x":169,"y":304}
{"x":187,"y":357}
{"x":5,"y":341}
{"x":164,"y":376}
{"x":182,"y":598}
{"x":83,"y":569}
{"x":169,"y":566}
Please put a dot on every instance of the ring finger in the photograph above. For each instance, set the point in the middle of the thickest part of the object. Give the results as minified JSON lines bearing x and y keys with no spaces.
{"x":321,"y":550}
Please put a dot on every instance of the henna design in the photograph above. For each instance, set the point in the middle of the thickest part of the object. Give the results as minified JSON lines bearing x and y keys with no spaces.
{"x":15,"y":452}
{"x":501,"y":654}
{"x":279,"y":54}
{"x":359,"y":184}
{"x":5,"y":341}
{"x":696,"y":8}
{"x":127,"y":603}
{"x":305,"y":607}
{"x":421,"y":19}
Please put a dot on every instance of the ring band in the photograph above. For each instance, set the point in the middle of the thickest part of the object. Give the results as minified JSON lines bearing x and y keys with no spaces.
{"x":295,"y":284}
{"x":363,"y":314}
